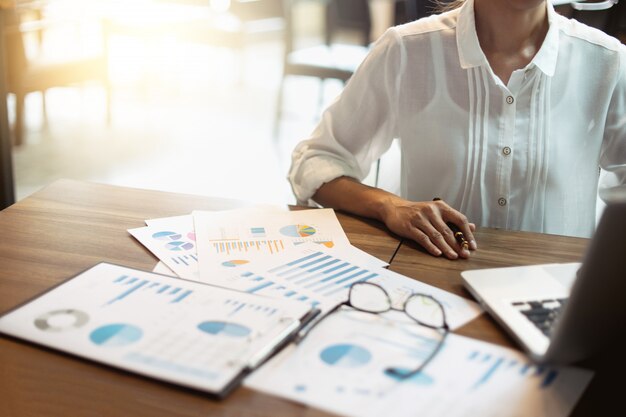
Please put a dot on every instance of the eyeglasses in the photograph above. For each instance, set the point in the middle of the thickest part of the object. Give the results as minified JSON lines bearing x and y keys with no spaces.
{"x":421,"y":308}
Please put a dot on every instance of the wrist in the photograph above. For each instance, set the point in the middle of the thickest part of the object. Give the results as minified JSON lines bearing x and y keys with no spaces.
{"x":385,"y":206}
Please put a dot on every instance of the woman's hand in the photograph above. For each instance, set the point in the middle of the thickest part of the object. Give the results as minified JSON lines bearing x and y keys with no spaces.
{"x":425,"y":223}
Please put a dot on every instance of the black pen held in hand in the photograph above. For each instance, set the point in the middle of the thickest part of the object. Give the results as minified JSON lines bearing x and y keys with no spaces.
{"x":458,"y":235}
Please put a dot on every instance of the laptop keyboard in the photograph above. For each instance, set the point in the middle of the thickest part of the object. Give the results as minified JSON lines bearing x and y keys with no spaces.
{"x":541,"y":313}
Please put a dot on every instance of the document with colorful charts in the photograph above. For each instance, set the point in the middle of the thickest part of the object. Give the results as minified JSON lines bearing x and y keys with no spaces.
{"x":173,"y":241}
{"x":229,"y":239}
{"x":179,"y":331}
{"x":322,"y":277}
{"x":342,"y":367}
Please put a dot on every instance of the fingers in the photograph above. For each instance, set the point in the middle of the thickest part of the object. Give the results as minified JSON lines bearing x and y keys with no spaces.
{"x":459,"y":220}
{"x":433,"y":240}
{"x":456,"y":248}
{"x":424,"y":240}
{"x":429,"y":224}
{"x":431,"y":229}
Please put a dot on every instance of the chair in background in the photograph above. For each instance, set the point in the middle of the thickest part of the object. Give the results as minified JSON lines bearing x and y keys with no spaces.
{"x":608,"y":16}
{"x":331,"y":60}
{"x":38,"y":72}
{"x":259,"y":16}
{"x":409,"y":10}
{"x":258,"y":20}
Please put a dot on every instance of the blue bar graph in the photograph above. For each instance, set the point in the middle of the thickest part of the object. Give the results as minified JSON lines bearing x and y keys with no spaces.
{"x":182,"y":296}
{"x":337,"y":275}
{"x":260,"y":287}
{"x":321,"y":273}
{"x":121,"y":278}
{"x":131,"y":286}
{"x":239,"y":306}
{"x":496,"y":365}
{"x":297,"y":261}
{"x":185,"y":260}
{"x":129,"y":291}
{"x":490,"y":371}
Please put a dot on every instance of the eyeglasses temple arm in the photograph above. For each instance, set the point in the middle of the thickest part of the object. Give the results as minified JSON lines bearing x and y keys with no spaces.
{"x":404,"y":375}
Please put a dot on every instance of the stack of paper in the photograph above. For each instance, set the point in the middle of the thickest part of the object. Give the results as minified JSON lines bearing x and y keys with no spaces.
{"x":199,"y":245}
{"x":341,"y":366}
{"x":302,"y":255}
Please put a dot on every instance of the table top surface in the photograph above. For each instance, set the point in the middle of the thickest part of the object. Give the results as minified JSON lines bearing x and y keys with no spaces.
{"x":70,"y":226}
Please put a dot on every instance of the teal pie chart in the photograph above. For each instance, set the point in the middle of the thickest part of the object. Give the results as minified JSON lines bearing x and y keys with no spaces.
{"x":166,"y":235}
{"x":115,"y":335}
{"x":179,"y":246}
{"x":419,"y":378}
{"x":224,"y":328}
{"x":345,"y":355}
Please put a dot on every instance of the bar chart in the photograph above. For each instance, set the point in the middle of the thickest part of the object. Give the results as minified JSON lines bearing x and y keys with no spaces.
{"x":314,"y":277}
{"x":132,"y":287}
{"x":239,"y":247}
{"x":494,"y":365}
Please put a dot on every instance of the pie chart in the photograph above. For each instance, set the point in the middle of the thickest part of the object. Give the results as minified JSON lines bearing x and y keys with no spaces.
{"x":298,"y":230}
{"x":419,"y":378}
{"x":327,"y":243}
{"x":345,"y":355}
{"x":60,"y":320}
{"x":166,"y":236}
{"x":116,"y":335}
{"x":225,"y":328}
{"x":179,"y":246}
{"x":234,"y":263}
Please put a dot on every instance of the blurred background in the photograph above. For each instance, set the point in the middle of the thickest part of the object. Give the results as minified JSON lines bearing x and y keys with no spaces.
{"x":202,"y":97}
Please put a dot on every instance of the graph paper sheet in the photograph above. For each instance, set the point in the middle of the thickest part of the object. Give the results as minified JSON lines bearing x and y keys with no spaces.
{"x":342,"y":367}
{"x":167,"y":328}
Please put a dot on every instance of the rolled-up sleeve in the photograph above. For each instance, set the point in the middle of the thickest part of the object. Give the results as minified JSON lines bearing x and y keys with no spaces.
{"x":357,"y":128}
{"x":613,"y":156}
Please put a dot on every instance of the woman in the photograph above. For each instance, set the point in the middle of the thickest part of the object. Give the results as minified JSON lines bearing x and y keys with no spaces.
{"x":504,"y":110}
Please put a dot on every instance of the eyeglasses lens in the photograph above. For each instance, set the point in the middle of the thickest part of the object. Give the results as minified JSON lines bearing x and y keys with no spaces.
{"x":369,"y":297}
{"x":425,"y":310}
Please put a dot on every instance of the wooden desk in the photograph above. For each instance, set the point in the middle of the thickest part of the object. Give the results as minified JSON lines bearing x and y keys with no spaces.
{"x":70,"y":226}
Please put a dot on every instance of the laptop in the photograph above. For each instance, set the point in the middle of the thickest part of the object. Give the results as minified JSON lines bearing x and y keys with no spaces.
{"x":562,"y":313}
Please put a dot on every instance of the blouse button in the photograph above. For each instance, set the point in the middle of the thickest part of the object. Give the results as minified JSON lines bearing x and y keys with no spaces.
{"x":502,"y":201}
{"x":510,"y":99}
{"x":506,"y":150}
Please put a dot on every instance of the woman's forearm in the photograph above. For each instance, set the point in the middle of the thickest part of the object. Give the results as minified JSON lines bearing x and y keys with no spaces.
{"x":348,"y":194}
{"x":427,"y":222}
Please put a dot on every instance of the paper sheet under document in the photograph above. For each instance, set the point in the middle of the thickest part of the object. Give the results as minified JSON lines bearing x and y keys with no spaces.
{"x":341,"y":368}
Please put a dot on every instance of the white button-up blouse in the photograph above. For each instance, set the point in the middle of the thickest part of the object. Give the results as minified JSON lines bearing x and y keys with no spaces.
{"x":522,"y":156}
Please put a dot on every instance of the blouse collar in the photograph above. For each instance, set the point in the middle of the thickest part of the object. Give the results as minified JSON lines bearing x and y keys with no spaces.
{"x":471,"y":55}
